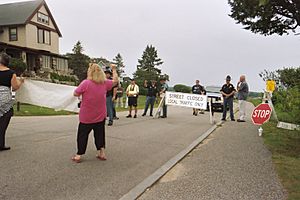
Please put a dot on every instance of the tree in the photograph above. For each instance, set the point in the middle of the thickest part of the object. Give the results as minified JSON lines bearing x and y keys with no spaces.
{"x":78,"y":49}
{"x":147,"y":68}
{"x":290,"y":77}
{"x":267,"y":17}
{"x":78,"y":61}
{"x":118,"y":60}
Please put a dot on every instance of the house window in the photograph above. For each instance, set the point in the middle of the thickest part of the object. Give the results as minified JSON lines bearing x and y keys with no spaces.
{"x":44,"y":36}
{"x":13,"y":34}
{"x":46,"y":62}
{"x":42,"y":18}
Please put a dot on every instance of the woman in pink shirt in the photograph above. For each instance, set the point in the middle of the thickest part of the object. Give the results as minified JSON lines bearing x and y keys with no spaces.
{"x":92,"y":112}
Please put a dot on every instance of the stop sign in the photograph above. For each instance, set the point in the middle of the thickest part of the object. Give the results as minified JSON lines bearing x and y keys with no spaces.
{"x":261,"y":114}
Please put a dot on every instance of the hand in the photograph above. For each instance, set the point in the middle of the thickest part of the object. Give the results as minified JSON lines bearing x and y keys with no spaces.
{"x":113,"y":66}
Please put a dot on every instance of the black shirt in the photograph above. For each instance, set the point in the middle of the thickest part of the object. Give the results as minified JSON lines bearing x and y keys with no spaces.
{"x":5,"y":77}
{"x":152,"y":90}
{"x":227,"y":89}
{"x":197,"y":89}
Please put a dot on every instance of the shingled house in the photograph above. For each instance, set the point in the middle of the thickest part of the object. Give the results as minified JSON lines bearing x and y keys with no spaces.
{"x":29,"y":31}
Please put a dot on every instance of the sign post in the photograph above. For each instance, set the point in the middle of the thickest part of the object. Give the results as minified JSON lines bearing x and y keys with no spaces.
{"x":260,"y":115}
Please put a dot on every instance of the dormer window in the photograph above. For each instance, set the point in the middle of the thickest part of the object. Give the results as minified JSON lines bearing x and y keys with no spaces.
{"x":42,"y":18}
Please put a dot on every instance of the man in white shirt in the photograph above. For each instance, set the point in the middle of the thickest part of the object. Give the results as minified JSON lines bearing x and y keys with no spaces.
{"x":132,"y":92}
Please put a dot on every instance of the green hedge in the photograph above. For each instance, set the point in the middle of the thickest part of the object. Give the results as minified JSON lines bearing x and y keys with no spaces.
{"x":182,"y":88}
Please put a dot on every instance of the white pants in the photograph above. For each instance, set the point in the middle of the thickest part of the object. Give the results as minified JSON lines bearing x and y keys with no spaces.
{"x":242,"y":109}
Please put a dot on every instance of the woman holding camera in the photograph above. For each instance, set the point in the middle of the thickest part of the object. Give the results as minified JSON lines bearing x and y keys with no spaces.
{"x":93,"y":112}
{"x":8,"y":81}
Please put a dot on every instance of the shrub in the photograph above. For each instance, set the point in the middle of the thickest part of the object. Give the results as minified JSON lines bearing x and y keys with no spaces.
{"x":287,"y":104}
{"x":182,"y":88}
{"x":17,"y":65}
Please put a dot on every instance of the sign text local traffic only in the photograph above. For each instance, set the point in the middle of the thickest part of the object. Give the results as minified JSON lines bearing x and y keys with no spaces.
{"x":186,"y":100}
{"x":261,"y":114}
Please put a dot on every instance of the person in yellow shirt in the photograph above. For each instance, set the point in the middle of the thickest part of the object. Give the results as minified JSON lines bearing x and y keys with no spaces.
{"x":132,"y":92}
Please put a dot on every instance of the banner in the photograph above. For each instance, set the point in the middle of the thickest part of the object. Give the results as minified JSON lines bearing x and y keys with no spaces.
{"x":186,"y":100}
{"x":50,"y":95}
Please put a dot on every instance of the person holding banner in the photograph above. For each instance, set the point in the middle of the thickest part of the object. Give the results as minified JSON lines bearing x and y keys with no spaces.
{"x":92,"y":114}
{"x":163,"y":88}
{"x":243,"y":91}
{"x":8,"y":81}
{"x":228,"y":92}
{"x":198,"y":89}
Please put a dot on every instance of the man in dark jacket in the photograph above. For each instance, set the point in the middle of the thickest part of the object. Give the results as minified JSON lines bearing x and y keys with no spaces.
{"x":228,"y":91}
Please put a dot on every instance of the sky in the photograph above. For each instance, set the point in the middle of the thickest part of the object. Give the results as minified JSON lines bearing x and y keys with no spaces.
{"x":195,"y":39}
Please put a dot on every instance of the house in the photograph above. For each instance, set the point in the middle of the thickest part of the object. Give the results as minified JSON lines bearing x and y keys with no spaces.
{"x":29,"y":31}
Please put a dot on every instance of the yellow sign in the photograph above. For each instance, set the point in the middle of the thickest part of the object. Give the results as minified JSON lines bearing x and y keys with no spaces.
{"x":271,"y":85}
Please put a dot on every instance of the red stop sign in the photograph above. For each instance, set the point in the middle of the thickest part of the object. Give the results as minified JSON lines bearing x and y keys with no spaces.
{"x":261,"y":114}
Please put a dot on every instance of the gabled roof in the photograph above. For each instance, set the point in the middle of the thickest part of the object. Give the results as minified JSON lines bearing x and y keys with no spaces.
{"x":20,"y":13}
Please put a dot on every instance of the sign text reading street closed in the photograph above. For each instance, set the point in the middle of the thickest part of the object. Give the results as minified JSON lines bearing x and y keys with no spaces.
{"x":186,"y":100}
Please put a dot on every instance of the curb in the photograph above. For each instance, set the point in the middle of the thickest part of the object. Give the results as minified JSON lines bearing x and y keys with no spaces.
{"x":138,"y":190}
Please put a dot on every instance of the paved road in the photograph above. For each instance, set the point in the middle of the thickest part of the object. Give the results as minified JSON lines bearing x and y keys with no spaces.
{"x":232,"y":163}
{"x":39,"y":166}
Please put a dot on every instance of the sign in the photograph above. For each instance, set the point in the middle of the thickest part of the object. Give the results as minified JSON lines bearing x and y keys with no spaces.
{"x":271,"y":85}
{"x":261,"y":114}
{"x":186,"y":100}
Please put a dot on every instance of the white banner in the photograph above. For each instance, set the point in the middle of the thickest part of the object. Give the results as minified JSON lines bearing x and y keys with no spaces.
{"x":186,"y":100}
{"x":50,"y":95}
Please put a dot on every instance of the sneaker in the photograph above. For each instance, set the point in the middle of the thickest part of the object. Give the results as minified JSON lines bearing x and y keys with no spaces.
{"x":144,"y":114}
{"x":110,"y":123}
{"x":223,"y":119}
{"x":128,"y":116}
{"x":239,"y":120}
{"x":134,"y":116}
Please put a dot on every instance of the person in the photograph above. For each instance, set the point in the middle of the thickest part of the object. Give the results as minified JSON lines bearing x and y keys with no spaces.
{"x":8,"y":81}
{"x":151,"y":96}
{"x":92,"y":114}
{"x":110,"y":96}
{"x":132,"y":93}
{"x":228,"y":92}
{"x":243,"y":91}
{"x":163,"y":88}
{"x":120,"y":92}
{"x":198,"y":89}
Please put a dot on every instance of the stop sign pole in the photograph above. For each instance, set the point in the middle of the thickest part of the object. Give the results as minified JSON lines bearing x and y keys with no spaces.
{"x":260,"y":115}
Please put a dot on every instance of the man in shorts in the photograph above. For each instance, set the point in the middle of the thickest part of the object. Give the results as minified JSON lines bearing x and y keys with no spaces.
{"x":132,"y":93}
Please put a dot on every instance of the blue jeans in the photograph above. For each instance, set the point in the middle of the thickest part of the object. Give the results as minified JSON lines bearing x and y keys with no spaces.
{"x":229,"y":102}
{"x":151,"y":101}
{"x":109,"y":108}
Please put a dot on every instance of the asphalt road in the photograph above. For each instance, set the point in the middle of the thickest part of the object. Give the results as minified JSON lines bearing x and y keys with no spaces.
{"x":231,"y":164}
{"x":39,"y":165}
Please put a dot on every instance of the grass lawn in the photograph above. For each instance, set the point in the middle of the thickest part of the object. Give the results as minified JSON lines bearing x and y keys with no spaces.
{"x":31,"y":110}
{"x":141,"y":104}
{"x":285,"y":148}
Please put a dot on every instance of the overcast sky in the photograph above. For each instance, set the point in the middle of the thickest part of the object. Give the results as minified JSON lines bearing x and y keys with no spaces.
{"x":195,"y":39}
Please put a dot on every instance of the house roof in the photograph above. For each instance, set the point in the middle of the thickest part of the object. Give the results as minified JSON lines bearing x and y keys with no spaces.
{"x":20,"y":13}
